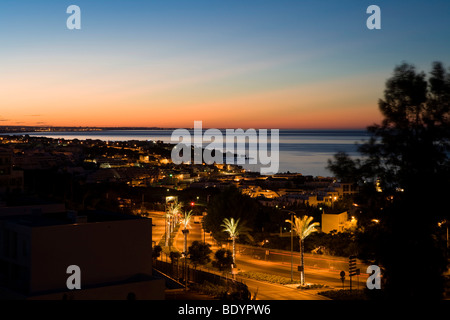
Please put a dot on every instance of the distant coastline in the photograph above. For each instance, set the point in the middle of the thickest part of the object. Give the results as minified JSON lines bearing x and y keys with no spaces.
{"x":18,"y":129}
{"x":303,"y":151}
{"x":25,"y":129}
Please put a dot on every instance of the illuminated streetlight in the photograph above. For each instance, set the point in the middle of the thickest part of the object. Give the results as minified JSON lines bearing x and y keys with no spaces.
{"x":440,"y":224}
{"x":185,"y":221}
{"x":303,"y":228}
{"x":292,"y":244}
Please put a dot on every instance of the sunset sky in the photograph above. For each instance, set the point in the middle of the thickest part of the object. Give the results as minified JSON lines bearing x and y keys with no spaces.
{"x":229,"y":63}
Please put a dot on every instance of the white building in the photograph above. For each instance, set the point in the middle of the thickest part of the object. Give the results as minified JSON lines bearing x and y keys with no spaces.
{"x":339,"y":222}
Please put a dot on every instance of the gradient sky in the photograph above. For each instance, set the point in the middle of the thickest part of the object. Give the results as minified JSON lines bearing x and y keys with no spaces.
{"x":230,"y":63}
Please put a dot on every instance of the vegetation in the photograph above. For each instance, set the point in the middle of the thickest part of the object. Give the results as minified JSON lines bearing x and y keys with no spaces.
{"x":174,"y":256}
{"x":403,"y":177}
{"x":199,"y":253}
{"x":171,"y":215}
{"x":303,"y":227}
{"x":267,"y":277}
{"x":213,"y":290}
{"x":234,"y":230}
{"x":222,"y":292}
{"x":230,"y":203}
{"x":186,"y":218}
{"x":345,"y":294}
{"x":223,"y":259}
{"x":156,"y":252}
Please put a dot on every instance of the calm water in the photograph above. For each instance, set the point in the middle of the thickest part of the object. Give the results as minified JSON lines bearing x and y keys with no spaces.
{"x":303,"y":151}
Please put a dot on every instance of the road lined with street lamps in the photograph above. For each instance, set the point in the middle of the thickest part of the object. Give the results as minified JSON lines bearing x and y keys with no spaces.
{"x":265,"y":290}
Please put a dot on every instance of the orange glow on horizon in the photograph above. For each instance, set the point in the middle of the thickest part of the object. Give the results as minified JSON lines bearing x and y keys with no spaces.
{"x":30,"y":99}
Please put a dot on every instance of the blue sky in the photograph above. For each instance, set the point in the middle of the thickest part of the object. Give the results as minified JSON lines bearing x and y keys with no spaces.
{"x":262,"y":63}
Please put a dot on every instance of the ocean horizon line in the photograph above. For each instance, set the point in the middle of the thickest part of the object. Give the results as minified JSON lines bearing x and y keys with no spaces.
{"x":61,"y":128}
{"x":304,"y":151}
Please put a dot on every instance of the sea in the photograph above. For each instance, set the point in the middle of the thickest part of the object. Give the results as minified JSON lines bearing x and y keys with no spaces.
{"x":300,"y":151}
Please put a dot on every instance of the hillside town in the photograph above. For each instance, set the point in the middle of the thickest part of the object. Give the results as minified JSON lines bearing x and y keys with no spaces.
{"x":50,"y":184}
{"x":46,"y":182}
{"x":147,"y":164}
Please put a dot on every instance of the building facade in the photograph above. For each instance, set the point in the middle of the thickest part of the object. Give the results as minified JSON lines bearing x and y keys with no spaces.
{"x":112,"y":251}
{"x":10,"y":180}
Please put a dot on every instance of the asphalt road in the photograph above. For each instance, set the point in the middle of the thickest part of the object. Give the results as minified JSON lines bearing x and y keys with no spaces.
{"x":263,"y":290}
{"x":272,"y":291}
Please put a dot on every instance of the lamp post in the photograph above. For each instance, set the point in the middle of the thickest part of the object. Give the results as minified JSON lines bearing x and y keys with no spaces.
{"x":446,"y":223}
{"x":185,"y":232}
{"x":186,"y":218}
{"x":292,"y":243}
{"x":292,"y":248}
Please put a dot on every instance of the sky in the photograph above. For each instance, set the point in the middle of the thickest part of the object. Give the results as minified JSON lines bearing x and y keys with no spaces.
{"x":271,"y":64}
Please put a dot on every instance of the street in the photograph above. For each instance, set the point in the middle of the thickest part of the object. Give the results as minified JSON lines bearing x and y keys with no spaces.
{"x":264,"y":290}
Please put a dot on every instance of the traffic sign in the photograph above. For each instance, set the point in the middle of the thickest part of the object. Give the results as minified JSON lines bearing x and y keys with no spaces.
{"x":355,"y":272}
{"x":352,"y":270}
{"x":342,"y":274}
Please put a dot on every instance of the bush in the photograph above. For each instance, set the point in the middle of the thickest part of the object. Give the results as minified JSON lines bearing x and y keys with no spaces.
{"x":345,"y":294}
{"x":210,"y":289}
{"x":223,"y":259}
{"x":311,"y":286}
{"x":267,"y":277}
{"x":199,"y":253}
{"x":234,"y":292}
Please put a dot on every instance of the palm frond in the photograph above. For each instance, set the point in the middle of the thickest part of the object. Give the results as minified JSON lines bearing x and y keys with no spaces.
{"x":303,"y":226}
{"x":234,"y":228}
{"x":186,"y":218}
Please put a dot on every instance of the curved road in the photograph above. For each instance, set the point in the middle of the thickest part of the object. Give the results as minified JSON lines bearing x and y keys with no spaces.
{"x":263,"y":290}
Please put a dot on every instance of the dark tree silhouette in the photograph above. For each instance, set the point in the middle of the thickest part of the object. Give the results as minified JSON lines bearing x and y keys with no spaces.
{"x":223,"y":259}
{"x":230,"y":203}
{"x":199,"y":253}
{"x":404,"y":176}
{"x":156,"y":252}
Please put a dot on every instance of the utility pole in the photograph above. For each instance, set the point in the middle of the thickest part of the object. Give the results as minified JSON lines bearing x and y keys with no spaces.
{"x":292,"y":249}
{"x":185,"y":232}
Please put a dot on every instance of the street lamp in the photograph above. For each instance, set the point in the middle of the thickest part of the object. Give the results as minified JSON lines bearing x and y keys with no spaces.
{"x":185,"y":221}
{"x":185,"y":232}
{"x":446,"y":223}
{"x":292,"y":243}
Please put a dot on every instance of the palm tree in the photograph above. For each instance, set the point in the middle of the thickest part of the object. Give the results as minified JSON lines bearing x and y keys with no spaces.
{"x":174,"y":210}
{"x":185,"y":219}
{"x":303,"y":228}
{"x":171,"y":214}
{"x":235,"y":229}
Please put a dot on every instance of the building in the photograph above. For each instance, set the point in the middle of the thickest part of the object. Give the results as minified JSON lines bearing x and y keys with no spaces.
{"x":338,"y":222}
{"x":345,"y":188}
{"x":113,"y":252}
{"x":11,"y":180}
{"x":257,"y":191}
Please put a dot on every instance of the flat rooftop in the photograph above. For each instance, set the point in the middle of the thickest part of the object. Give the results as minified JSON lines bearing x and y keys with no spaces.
{"x":63,"y":218}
